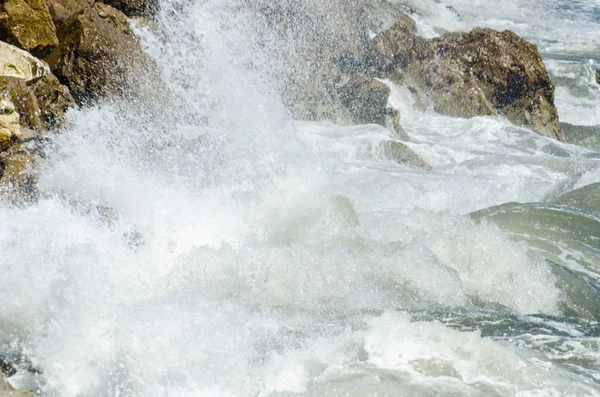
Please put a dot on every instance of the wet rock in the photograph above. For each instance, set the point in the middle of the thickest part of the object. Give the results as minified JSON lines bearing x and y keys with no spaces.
{"x":62,"y":10}
{"x":392,"y":122}
{"x":53,"y":100}
{"x":12,"y":130}
{"x":4,"y":385}
{"x":17,"y":177}
{"x":40,"y":103}
{"x":17,"y":393}
{"x":483,"y":72}
{"x":402,"y":154}
{"x":134,"y":8}
{"x":97,"y":54}
{"x":28,"y":25}
{"x":365,"y":99}
{"x":15,"y":62}
{"x":16,"y":95}
{"x":598,"y":76}
{"x":397,"y":47}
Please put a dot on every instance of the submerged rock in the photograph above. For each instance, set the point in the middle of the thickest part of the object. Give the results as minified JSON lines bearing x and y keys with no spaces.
{"x":97,"y":53}
{"x":28,"y":25}
{"x":482,"y":72}
{"x":402,"y":154}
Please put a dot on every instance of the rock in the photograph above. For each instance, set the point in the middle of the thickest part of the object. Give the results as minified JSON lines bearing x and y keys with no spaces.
{"x":15,"y":92}
{"x":134,"y":8}
{"x":28,"y":25}
{"x":397,"y":47}
{"x":483,"y":72}
{"x":365,"y":99}
{"x":61,"y":10}
{"x":15,"y":62}
{"x":53,"y":99}
{"x":17,"y":393}
{"x":598,"y":76}
{"x":17,"y":179}
{"x":4,"y":385}
{"x":402,"y":154}
{"x":97,"y":54}
{"x":10,"y":129}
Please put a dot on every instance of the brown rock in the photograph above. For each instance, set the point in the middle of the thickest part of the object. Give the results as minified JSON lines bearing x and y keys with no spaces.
{"x":97,"y":54}
{"x":483,"y":72}
{"x":598,"y":76}
{"x":134,"y":8}
{"x":364,"y":98}
{"x":17,"y":177}
{"x":402,"y":154}
{"x":28,"y":25}
{"x":15,"y":91}
{"x":4,"y":385}
{"x":17,"y":393}
{"x":53,"y":99}
{"x":398,"y":47}
{"x":61,"y":10}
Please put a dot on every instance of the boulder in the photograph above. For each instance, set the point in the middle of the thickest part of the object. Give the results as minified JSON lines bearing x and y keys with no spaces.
{"x":134,"y":8}
{"x":365,"y":99}
{"x":15,"y":93}
{"x":62,"y":10}
{"x":17,"y":177}
{"x":15,"y":62}
{"x":28,"y":25}
{"x":598,"y":76}
{"x":97,"y":54}
{"x":402,"y":154}
{"x":17,"y":393}
{"x":39,"y":103}
{"x":53,"y":99}
{"x":11,"y":130}
{"x":483,"y":72}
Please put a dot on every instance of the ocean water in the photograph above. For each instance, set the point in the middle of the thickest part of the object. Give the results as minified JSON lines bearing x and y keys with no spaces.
{"x":201,"y":242}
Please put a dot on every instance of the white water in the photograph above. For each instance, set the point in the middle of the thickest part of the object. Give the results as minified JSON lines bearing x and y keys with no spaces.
{"x":280,"y":257}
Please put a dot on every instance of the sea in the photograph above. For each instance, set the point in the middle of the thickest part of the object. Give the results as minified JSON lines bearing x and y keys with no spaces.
{"x":197,"y":240}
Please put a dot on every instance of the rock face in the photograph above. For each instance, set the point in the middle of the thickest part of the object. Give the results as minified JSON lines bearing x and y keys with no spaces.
{"x":97,"y":53}
{"x":28,"y":25}
{"x":483,"y":72}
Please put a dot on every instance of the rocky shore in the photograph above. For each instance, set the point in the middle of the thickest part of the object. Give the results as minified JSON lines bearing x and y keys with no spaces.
{"x":60,"y":54}
{"x":54,"y":55}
